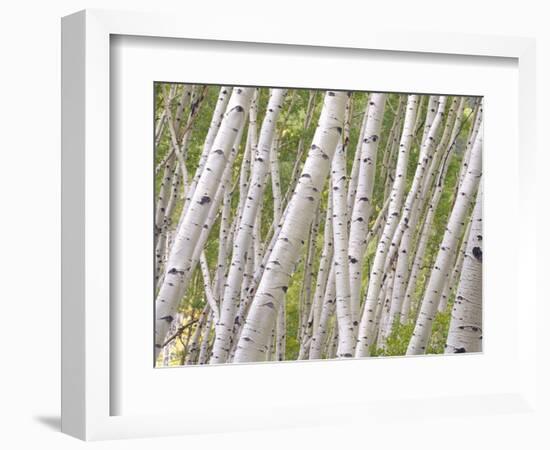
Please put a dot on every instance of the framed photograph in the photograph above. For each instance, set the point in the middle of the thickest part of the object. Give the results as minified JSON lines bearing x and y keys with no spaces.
{"x":269,"y":230}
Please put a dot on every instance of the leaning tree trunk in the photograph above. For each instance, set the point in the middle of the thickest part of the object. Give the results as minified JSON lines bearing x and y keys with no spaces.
{"x":455,"y":273}
{"x":465,"y":331}
{"x":325,"y":265}
{"x":243,"y":238}
{"x":362,"y":208}
{"x":405,"y":246}
{"x":215,"y":124}
{"x":179,"y":261}
{"x":377,"y":274}
{"x":271,"y":290}
{"x":321,"y":332}
{"x":426,"y":228}
{"x":409,"y":207}
{"x":448,"y":248}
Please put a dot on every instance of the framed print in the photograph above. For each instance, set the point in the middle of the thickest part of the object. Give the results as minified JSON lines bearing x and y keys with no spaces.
{"x":264,"y":229}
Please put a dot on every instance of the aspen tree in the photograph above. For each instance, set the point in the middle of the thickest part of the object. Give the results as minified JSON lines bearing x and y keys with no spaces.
{"x":376,"y":278}
{"x":346,"y":334}
{"x":362,"y":208}
{"x":243,"y":239}
{"x":465,"y":331}
{"x":444,"y":260}
{"x":192,"y":223}
{"x":303,"y":204}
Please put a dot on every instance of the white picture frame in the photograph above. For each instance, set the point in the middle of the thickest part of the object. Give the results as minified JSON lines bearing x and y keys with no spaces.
{"x":88,"y":328}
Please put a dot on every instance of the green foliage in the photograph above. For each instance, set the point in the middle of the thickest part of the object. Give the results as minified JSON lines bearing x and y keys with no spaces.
{"x":290,"y":129}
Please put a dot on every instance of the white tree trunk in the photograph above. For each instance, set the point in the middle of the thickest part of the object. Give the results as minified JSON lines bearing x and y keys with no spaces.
{"x":280,"y":345}
{"x":325,"y":265}
{"x":465,"y":331}
{"x":478,"y":118}
{"x":409,"y":207}
{"x":455,"y":274}
{"x":276,"y":180}
{"x":346,"y":328}
{"x":376,"y":278}
{"x":205,"y":341}
{"x":354,"y":175}
{"x":405,"y":246}
{"x":320,"y":334}
{"x":431,"y":112}
{"x":362,"y":208}
{"x":426,"y":229}
{"x":191,"y":226}
{"x":305,"y":291}
{"x":448,"y":248}
{"x":302,"y":206}
{"x":215,"y":124}
{"x":406,"y":249}
{"x":243,"y":239}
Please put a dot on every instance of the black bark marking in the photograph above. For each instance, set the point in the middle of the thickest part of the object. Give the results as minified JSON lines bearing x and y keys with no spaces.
{"x":478,"y":254}
{"x":204,"y":200}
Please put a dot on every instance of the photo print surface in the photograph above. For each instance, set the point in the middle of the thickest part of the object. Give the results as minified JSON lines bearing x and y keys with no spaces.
{"x":298,"y":224}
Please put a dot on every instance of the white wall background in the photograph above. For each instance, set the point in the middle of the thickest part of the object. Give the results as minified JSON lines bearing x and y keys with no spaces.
{"x":30,"y":194}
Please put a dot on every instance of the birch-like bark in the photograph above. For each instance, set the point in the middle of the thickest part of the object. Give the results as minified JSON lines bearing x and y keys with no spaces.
{"x":383,"y":313}
{"x":346,"y":327}
{"x":223,"y":238}
{"x":325,"y":265}
{"x":280,"y":344}
{"x":222,"y":191}
{"x":466,"y":331}
{"x":426,"y":152}
{"x":302,"y":206}
{"x":194,"y":343}
{"x":431,"y":175}
{"x":444,"y":260}
{"x":392,"y":143}
{"x":427,"y":226}
{"x":478,"y":118}
{"x":301,"y":147}
{"x":376,"y":278}
{"x":250,"y":147}
{"x":455,"y":274}
{"x":431,"y":112}
{"x":215,"y":125}
{"x":332,"y":342}
{"x":243,"y":239}
{"x":354,"y":175}
{"x":362,"y":208}
{"x":320,"y":334}
{"x":406,"y":251}
{"x":275,"y":180}
{"x":205,"y":342}
{"x":190,"y":228}
{"x":305,"y":291}
{"x":207,"y":286}
{"x":420,"y":114}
